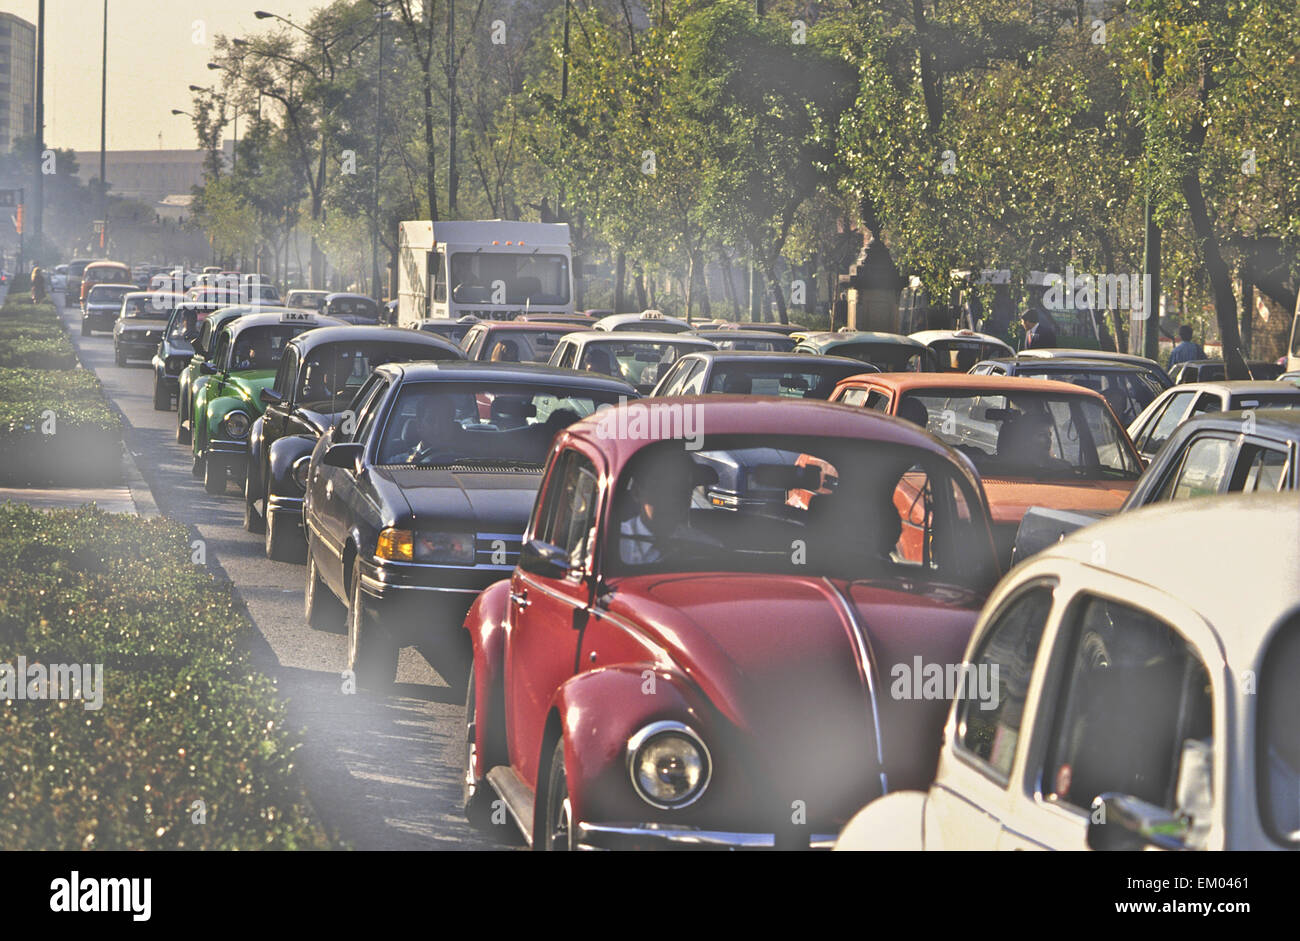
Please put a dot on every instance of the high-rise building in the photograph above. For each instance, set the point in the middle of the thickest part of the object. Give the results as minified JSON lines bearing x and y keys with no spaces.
{"x":17,"y":79}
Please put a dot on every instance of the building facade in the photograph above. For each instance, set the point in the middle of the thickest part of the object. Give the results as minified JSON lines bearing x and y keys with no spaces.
{"x":17,"y":79}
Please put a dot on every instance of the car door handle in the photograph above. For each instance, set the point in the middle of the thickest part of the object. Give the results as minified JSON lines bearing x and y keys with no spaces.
{"x":520,"y":599}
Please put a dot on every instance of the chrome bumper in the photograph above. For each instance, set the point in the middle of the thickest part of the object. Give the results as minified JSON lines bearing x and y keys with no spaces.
{"x":649,"y":836}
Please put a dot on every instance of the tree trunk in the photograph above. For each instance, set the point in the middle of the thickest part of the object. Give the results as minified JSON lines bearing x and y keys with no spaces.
{"x":769,"y":269}
{"x":729,"y":285}
{"x":620,"y":280}
{"x":641,"y":298}
{"x":690,"y":283}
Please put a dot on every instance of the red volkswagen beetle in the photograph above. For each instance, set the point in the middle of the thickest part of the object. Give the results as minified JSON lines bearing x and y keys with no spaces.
{"x":720,"y":624}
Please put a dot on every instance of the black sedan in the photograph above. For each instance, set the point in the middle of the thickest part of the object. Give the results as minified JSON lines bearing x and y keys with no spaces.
{"x":175,"y":350}
{"x":424,"y":502}
{"x":319,"y":375}
{"x":1127,"y":387}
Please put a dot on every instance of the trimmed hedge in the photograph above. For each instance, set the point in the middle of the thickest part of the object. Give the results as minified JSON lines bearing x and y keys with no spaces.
{"x":184,"y":718}
{"x":55,"y":426}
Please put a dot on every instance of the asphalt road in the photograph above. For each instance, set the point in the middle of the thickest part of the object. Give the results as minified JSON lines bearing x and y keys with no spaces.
{"x":383,"y":771}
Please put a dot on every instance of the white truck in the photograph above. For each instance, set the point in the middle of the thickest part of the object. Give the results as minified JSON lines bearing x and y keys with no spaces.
{"x":494,"y":269}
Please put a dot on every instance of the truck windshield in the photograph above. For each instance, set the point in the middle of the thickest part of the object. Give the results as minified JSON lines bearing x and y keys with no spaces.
{"x":509,"y":278}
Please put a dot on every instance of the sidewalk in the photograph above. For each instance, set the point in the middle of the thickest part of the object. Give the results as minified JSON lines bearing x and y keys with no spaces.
{"x":131,"y":496}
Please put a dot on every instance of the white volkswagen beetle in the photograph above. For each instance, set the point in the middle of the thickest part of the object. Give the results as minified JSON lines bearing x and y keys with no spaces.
{"x":1130,"y":687}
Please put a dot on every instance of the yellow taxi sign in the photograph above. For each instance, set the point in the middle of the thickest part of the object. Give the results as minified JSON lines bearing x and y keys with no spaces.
{"x":297,"y":316}
{"x":652,"y":315}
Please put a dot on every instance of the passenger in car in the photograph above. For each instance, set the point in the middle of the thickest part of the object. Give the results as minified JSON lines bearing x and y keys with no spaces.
{"x":657,"y":517}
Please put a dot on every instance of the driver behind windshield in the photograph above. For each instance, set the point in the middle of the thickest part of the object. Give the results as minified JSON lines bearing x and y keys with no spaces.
{"x":660,"y":494}
{"x":435,"y":432}
{"x":1026,"y":440}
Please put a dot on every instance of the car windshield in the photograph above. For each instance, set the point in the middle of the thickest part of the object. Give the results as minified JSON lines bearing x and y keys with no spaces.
{"x":442,"y":424}
{"x":1127,"y":392}
{"x":1033,"y":435}
{"x":185,"y":323}
{"x":807,"y":380}
{"x":108,"y":294}
{"x":307,"y":301}
{"x":887,"y":357}
{"x":961,"y":355}
{"x":261,"y":347}
{"x":153,"y":307}
{"x":1266,"y":400}
{"x":799,"y":505}
{"x":521,"y":346}
{"x":738,"y":341}
{"x":335,"y":371}
{"x":640,"y":362}
{"x":354,"y":308}
{"x":509,"y":278}
{"x":1278,"y":742}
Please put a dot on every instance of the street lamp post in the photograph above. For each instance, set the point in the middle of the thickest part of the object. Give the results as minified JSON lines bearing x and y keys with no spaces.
{"x":382,"y":15}
{"x":103,"y":136}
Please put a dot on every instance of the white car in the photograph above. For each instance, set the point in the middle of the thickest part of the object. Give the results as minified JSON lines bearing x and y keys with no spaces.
{"x":1126,"y":689}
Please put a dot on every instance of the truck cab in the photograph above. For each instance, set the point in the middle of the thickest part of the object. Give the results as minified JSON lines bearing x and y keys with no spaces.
{"x":493,"y":270}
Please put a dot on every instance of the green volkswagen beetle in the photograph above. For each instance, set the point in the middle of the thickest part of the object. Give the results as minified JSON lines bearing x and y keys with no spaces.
{"x":243,"y":361}
{"x":191,"y":379}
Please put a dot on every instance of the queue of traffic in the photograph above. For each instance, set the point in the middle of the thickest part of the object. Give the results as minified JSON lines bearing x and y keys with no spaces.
{"x":721,"y":587}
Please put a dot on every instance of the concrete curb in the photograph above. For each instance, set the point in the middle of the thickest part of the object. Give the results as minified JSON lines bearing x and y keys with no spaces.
{"x":141,"y":494}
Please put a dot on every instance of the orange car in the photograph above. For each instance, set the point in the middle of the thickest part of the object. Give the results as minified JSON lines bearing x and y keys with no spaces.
{"x":1034,"y":442}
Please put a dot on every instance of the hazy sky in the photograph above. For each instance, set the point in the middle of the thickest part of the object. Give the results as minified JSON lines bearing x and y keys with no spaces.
{"x":152,"y":61}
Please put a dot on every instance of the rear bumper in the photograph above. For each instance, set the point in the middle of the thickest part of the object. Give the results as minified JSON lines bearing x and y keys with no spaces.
{"x":650,"y":836}
{"x":100,"y":319}
{"x":140,"y":346}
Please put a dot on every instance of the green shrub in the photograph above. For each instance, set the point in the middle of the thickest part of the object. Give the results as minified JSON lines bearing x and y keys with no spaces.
{"x":185,"y":717}
{"x":55,"y":426}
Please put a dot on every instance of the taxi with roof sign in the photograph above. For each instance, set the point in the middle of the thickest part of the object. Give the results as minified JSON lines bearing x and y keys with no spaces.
{"x":242,"y":362}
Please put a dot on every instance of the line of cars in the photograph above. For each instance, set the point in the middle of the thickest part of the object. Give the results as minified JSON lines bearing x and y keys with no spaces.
{"x":720,"y":603}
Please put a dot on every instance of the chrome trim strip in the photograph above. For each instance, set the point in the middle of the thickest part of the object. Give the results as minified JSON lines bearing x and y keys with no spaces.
{"x":373,"y":583}
{"x":590,"y":834}
{"x":867,"y":659}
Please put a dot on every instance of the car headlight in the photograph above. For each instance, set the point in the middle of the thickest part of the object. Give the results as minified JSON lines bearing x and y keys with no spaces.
{"x":175,"y":364}
{"x":669,"y":765}
{"x":299,"y":471}
{"x":235,"y":425}
{"x":444,"y":548}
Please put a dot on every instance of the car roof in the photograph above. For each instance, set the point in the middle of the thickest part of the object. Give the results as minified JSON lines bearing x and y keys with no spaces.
{"x":732,"y":333}
{"x":1237,"y":387}
{"x":1282,"y":423}
{"x":533,"y":326}
{"x":151,"y":294}
{"x":633,"y":336}
{"x":929,"y":336}
{"x":366,"y":333}
{"x":469,"y":370}
{"x":309,"y":291}
{"x":802,"y":360}
{"x":1064,"y":364}
{"x":762,"y":415}
{"x":248,"y":321}
{"x":1250,"y":588}
{"x":340,"y":295}
{"x":614,"y":320}
{"x":916,"y":381}
{"x":1061,"y":352}
{"x":826,"y":339}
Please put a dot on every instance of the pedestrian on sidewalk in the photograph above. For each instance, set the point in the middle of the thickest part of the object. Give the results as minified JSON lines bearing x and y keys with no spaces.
{"x":38,"y":284}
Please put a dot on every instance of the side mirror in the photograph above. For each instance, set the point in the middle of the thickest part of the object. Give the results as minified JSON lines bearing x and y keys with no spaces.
{"x":208,"y":368}
{"x":270,"y":397}
{"x":345,"y":454}
{"x":544,"y":559}
{"x":1124,"y":822}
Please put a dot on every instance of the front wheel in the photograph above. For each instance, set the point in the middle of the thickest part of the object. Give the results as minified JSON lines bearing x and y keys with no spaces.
{"x":118,"y":356}
{"x":85,"y":328}
{"x":475,"y":795}
{"x":162,"y":399}
{"x":254,"y":522}
{"x":558,"y":832}
{"x":372,"y":654}
{"x":214,"y":475}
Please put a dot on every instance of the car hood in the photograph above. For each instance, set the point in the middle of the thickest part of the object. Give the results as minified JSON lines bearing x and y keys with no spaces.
{"x":248,"y":384}
{"x":1010,"y":497}
{"x":487,"y":501}
{"x":785,"y":667}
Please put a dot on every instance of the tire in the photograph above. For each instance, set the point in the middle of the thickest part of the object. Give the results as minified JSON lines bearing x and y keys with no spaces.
{"x":281,"y":544}
{"x":558,"y":822}
{"x":320,"y":608}
{"x":196,"y":469}
{"x":85,"y":328}
{"x":475,"y":796}
{"x":118,"y":357}
{"x":254,"y":522}
{"x":214,"y":475}
{"x":372,"y":655}
{"x":162,"y":399}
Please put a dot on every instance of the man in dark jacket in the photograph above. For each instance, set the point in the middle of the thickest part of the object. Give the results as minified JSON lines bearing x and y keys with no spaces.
{"x":1039,"y":333}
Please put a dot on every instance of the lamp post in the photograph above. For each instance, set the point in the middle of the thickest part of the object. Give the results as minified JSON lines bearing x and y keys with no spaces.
{"x":103,"y":136}
{"x":381,"y":16}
